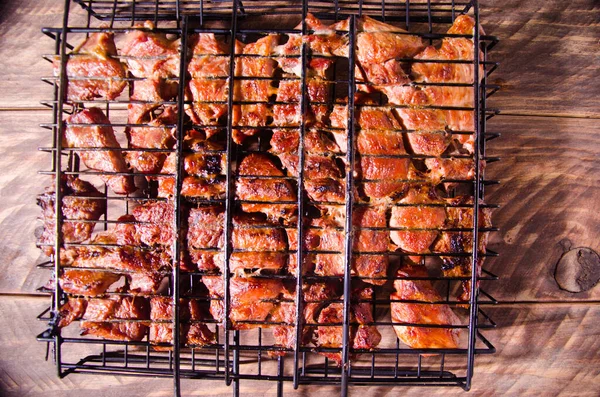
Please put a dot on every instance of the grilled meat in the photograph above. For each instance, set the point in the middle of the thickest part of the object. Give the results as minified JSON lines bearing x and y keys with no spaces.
{"x":128,"y":331}
{"x":72,"y":310}
{"x":151,"y":54}
{"x":87,"y":282}
{"x":251,"y":187}
{"x":417,"y":211}
{"x":421,"y":313}
{"x":209,"y":68}
{"x":256,"y":91}
{"x":156,"y":223}
{"x":451,"y":168}
{"x":250,"y":299}
{"x":362,"y":336}
{"x":196,"y":334}
{"x":158,"y":133}
{"x":99,"y":134}
{"x":92,"y":70}
{"x":161,"y":309}
{"x":73,"y":207}
{"x":128,"y":259}
{"x":104,"y":309}
{"x":260,"y":244}
{"x":378,"y":48}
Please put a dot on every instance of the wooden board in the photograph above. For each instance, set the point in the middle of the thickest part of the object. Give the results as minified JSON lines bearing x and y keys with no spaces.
{"x":550,"y":191}
{"x":21,"y":47}
{"x":548,"y":53}
{"x":562,"y":359}
{"x":19,"y":185}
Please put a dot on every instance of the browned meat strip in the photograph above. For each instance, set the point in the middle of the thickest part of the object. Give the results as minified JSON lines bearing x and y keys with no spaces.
{"x":416,"y":216}
{"x":209,"y":68}
{"x":249,"y":299}
{"x":99,"y":135}
{"x":87,"y":282}
{"x":363,"y":336}
{"x":92,"y":70}
{"x":151,"y":54}
{"x":267,"y":190}
{"x":129,"y":331}
{"x":422,"y":313}
{"x":248,"y":90}
{"x":73,"y":207}
{"x":156,"y":223}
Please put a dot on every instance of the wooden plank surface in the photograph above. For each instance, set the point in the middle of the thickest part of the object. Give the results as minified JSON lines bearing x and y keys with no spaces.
{"x":548,"y":52}
{"x":549,"y":55}
{"x":550,"y":191}
{"x":19,"y":185}
{"x":563,"y":359}
{"x":21,"y":47}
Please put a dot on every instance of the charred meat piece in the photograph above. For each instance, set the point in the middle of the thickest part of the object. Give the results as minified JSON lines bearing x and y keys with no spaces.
{"x":324,"y":234}
{"x":315,"y":142}
{"x":129,"y":259}
{"x":196,"y":334}
{"x":145,"y":283}
{"x":452,"y":48}
{"x":72,"y":310}
{"x":151,"y":54}
{"x":427,"y":134}
{"x":155,"y":225}
{"x":99,"y":134}
{"x":158,"y":132}
{"x":417,"y":211}
{"x":205,"y":227}
{"x":161,"y":309}
{"x":260,"y":244}
{"x":128,"y":331}
{"x":321,"y":151}
{"x":251,"y":299}
{"x":73,"y":207}
{"x":323,"y":43}
{"x":92,"y":70}
{"x":149,"y":97}
{"x":87,"y":282}
{"x":385,"y":177}
{"x":451,"y":168}
{"x":251,"y":187}
{"x":117,"y":308}
{"x":103,"y":309}
{"x":290,"y":91}
{"x":256,"y":91}
{"x":378,"y":48}
{"x":422,"y":313}
{"x":326,"y":190}
{"x":209,"y":68}
{"x":363,"y":336}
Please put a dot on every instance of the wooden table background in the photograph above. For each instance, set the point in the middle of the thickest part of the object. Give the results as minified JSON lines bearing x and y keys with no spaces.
{"x":548,"y":339}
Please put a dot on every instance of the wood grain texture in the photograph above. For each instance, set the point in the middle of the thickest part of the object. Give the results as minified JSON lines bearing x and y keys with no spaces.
{"x":550,"y":191}
{"x":562,"y":359}
{"x":22,"y":45}
{"x":19,"y":185}
{"x":549,"y":54}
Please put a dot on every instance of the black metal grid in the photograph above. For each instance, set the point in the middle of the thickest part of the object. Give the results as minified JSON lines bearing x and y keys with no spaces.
{"x":386,"y":365}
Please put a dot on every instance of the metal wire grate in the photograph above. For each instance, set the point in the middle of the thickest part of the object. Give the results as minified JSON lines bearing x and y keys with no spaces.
{"x":241,"y":355}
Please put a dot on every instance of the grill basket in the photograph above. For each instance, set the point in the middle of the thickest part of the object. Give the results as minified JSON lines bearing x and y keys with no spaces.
{"x":243,"y":355}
